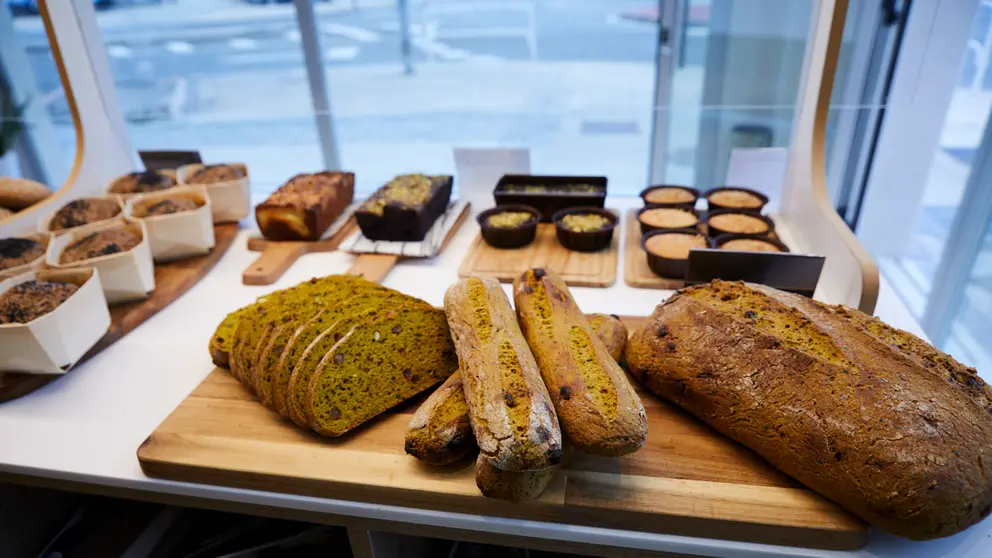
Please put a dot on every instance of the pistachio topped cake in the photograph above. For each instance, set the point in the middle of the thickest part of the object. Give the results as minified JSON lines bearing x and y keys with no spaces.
{"x":509,"y":219}
{"x":405,"y":208}
{"x":585,"y":222}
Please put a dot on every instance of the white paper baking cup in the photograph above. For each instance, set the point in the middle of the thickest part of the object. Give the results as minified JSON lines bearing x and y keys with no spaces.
{"x":125,"y":276}
{"x":45,"y":239}
{"x":43,"y":223}
{"x":177,"y":235}
{"x":231,"y":200}
{"x":53,"y":342}
{"x":126,"y":197}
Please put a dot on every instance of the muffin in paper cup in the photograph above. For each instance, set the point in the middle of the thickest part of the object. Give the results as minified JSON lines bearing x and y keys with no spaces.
{"x":230,"y":199}
{"x":150,"y":176}
{"x":125,"y":276}
{"x":45,"y":224}
{"x":178,"y":235}
{"x":42,"y":238}
{"x":53,"y":342}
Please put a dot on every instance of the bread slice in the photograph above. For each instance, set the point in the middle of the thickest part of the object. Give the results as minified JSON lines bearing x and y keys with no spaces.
{"x":294,"y":341}
{"x":611,"y":331}
{"x":223,"y":339}
{"x":378,"y":364}
{"x":515,"y":486}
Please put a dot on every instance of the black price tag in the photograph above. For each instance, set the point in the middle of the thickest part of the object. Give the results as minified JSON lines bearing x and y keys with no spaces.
{"x":796,"y":273}
{"x":160,"y":160}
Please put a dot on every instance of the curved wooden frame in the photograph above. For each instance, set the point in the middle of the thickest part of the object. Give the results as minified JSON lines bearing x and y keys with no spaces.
{"x":850,"y":275}
{"x":70,"y":100}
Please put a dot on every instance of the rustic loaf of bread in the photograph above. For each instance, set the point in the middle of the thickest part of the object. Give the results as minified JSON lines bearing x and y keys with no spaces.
{"x":867,"y":415}
{"x":514,"y":486}
{"x":598,"y":409}
{"x":511,"y":413}
{"x":440,"y":431}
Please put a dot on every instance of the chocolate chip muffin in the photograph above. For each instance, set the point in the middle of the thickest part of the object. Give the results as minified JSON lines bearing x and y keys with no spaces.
{"x":19,"y":251}
{"x":102,"y":243}
{"x":142,"y":182}
{"x":212,"y":174}
{"x":82,"y":212}
{"x":170,"y":206}
{"x":33,"y":299}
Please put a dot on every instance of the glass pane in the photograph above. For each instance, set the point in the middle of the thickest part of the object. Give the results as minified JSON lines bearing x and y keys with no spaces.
{"x":734,"y":84}
{"x":37,"y":135}
{"x":572,"y":81}
{"x":912,"y":273}
{"x":968,"y":339}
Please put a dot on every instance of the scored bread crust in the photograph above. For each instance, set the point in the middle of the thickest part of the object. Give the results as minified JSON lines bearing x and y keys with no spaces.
{"x":869,"y":416}
{"x":510,"y":410}
{"x":440,"y":432}
{"x":598,"y":409}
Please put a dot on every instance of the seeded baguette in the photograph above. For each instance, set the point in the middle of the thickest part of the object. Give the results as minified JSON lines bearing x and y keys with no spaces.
{"x":869,"y":416}
{"x":441,"y":432}
{"x":598,"y":409}
{"x":515,"y":486}
{"x":510,"y":410}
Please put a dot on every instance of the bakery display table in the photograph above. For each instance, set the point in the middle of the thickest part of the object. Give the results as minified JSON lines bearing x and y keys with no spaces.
{"x":81,"y":432}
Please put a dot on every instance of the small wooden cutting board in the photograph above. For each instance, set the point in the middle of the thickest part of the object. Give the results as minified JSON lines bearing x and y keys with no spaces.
{"x":278,"y":256}
{"x":636,"y":272}
{"x":578,"y":269}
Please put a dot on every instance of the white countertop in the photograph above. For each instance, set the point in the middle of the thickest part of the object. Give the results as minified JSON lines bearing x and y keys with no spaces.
{"x":86,"y":427}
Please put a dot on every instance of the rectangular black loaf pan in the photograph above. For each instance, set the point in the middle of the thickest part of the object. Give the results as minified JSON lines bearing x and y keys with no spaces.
{"x":557,"y":197}
{"x":404,"y":224}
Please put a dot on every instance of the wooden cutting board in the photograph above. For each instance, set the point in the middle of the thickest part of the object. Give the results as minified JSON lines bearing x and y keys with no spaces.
{"x":277,"y":256}
{"x":636,"y":272}
{"x":578,"y":269}
{"x":686,"y":480}
{"x":171,"y":281}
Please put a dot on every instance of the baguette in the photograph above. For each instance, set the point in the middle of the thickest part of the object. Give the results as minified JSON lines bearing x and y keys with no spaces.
{"x":514,"y":486}
{"x":871,"y":417}
{"x":441,"y":432}
{"x":510,"y":410}
{"x":599,"y":411}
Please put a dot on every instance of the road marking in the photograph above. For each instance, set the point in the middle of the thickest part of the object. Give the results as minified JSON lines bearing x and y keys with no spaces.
{"x":350,"y":31}
{"x":242,"y":43}
{"x":119,"y":51}
{"x":341,"y":54}
{"x":179,"y":47}
{"x":292,"y":35}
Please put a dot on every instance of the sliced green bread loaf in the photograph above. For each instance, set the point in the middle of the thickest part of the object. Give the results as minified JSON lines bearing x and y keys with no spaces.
{"x":312,"y":339}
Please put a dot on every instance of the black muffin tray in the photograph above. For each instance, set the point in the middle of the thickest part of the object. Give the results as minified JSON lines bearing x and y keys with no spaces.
{"x":557,"y":194}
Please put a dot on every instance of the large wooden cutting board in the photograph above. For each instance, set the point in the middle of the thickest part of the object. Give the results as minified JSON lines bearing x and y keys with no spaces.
{"x":686,"y":480}
{"x":578,"y":269}
{"x":172,"y":279}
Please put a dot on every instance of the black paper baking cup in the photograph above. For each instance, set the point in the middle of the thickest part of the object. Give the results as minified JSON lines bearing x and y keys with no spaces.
{"x":714,"y":232}
{"x":714,"y":206}
{"x":718,"y":241}
{"x":687,"y":205}
{"x":645,"y":228}
{"x":670,"y":268}
{"x":509,"y":237}
{"x":585,"y":241}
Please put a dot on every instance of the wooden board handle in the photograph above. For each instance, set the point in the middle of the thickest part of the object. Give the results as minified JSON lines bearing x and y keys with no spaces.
{"x":373,"y":267}
{"x":274,"y":261}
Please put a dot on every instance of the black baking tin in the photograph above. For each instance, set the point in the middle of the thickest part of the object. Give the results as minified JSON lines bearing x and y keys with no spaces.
{"x":712,"y":206}
{"x":670,"y":268}
{"x":557,"y":197}
{"x":648,"y":228}
{"x":686,"y":205}
{"x":714,"y":232}
{"x":585,"y":241}
{"x":404,"y":224}
{"x":718,"y":241}
{"x":512,"y":237}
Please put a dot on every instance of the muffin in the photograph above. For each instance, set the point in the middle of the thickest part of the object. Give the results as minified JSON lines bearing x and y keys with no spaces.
{"x":750,"y":245}
{"x":15,"y":252}
{"x":736,"y":198}
{"x":142,"y":182}
{"x":170,"y":206}
{"x":83,"y":212}
{"x":102,"y":243}
{"x":668,"y":251}
{"x":213,"y":174}
{"x":666,"y":218}
{"x":32,"y":299}
{"x":670,"y":196}
{"x":738,"y":223}
{"x":585,"y":229}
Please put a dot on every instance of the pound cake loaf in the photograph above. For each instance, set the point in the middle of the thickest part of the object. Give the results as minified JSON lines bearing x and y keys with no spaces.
{"x":440,"y":431}
{"x":869,"y":416}
{"x":598,"y":409}
{"x":509,"y":407}
{"x":305,"y":206}
{"x":405,"y":208}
